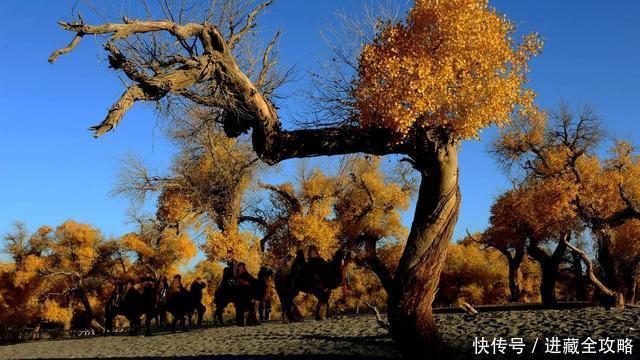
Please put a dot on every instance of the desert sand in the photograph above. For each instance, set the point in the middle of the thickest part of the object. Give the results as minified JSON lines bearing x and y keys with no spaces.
{"x":357,"y":337}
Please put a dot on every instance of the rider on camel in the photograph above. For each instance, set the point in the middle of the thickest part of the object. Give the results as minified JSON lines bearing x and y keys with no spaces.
{"x":112,"y":305}
{"x":130,"y":303}
{"x":313,"y":256}
{"x":163,"y":289}
{"x":228,"y":275}
{"x":196,"y":295}
{"x":315,"y":263}
{"x":176,"y":284}
{"x":243,"y":283}
{"x":243,"y":278}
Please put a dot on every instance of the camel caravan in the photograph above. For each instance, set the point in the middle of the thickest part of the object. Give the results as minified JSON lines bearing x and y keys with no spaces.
{"x":154,"y":299}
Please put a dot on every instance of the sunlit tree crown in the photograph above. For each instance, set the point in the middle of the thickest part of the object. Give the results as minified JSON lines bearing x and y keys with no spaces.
{"x":452,"y":65}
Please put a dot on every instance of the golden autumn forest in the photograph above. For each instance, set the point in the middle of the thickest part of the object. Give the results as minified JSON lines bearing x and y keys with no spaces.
{"x":394,"y":111}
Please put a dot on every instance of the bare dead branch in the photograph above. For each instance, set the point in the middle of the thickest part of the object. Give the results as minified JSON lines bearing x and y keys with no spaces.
{"x":468,"y":309}
{"x":592,"y":276}
{"x":250,"y":23}
{"x":119,"y":108}
{"x":265,"y":60}
{"x":129,"y":27}
{"x":118,"y":61}
{"x":472,"y":237}
{"x":74,"y":42}
{"x":381,"y":321}
{"x":286,"y":195}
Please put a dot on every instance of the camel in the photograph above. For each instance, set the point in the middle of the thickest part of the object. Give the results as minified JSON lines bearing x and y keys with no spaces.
{"x":180,"y":303}
{"x":132,"y":303}
{"x":244,"y":292}
{"x":151,"y":302}
{"x":315,"y":277}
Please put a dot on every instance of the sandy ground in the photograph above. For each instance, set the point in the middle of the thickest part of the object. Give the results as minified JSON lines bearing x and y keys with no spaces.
{"x":349,"y":337}
{"x":596,"y":323}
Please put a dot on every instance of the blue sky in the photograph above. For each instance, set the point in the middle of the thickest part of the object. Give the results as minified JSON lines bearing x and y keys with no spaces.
{"x":52,"y":170}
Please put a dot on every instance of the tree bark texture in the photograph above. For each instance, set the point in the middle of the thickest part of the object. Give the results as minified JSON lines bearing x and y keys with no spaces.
{"x":416,"y":281}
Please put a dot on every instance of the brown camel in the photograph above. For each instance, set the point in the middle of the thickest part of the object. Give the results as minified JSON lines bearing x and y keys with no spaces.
{"x":314,"y":276}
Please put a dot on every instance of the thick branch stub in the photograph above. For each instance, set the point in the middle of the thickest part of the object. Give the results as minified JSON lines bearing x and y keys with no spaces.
{"x":274,"y":145}
{"x":124,"y":30}
{"x":118,"y":61}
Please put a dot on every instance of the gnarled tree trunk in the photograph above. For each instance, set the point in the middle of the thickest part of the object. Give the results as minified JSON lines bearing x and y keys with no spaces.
{"x":633,"y":284}
{"x":515,"y":275}
{"x":548,"y":283}
{"x":92,"y":322}
{"x":415,"y":283}
{"x":606,"y":259}
{"x":515,"y":294}
{"x":549,"y":267}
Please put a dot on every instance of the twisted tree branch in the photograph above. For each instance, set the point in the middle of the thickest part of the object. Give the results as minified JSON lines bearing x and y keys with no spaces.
{"x":244,"y":107}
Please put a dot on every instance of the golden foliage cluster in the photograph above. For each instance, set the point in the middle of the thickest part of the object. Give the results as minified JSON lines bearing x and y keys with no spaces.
{"x":229,"y":245}
{"x":50,"y":269}
{"x":473,"y":275}
{"x":159,"y":251}
{"x":452,"y":65}
{"x":369,"y":203}
{"x":358,"y":204}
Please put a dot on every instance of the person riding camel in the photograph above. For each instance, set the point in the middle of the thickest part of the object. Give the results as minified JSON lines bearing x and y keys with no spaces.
{"x":228,"y":275}
{"x":196,"y":295}
{"x":112,"y":306}
{"x":176,"y":284}
{"x":148,"y":286}
{"x":315,"y":263}
{"x":243,"y":284}
{"x":130,"y":303}
{"x":178,"y":303}
{"x":243,"y":278}
{"x":313,"y":256}
{"x":148,"y":279}
{"x":176,"y":288}
{"x":344,"y":270}
{"x":163,"y":289}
